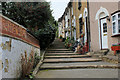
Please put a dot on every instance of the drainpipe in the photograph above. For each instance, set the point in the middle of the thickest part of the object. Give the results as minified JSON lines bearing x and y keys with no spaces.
{"x":89,"y":35}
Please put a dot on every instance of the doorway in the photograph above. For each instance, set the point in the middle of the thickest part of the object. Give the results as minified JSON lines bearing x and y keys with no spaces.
{"x":103,"y":32}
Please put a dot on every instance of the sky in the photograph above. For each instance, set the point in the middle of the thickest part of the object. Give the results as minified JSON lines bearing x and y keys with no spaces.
{"x":58,"y":7}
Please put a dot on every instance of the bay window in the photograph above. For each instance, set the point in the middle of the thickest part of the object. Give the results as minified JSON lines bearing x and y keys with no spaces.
{"x":119,"y":23}
{"x":116,"y":24}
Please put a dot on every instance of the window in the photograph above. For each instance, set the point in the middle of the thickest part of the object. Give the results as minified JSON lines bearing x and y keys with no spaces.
{"x":114,"y":30}
{"x":114,"y":18}
{"x":80,"y":25}
{"x":119,"y":26}
{"x":72,"y":10}
{"x":79,"y":4}
{"x":116,"y":24}
{"x":104,"y":27}
{"x":118,"y":15}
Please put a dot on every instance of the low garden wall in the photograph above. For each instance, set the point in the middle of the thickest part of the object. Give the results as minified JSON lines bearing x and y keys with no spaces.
{"x":17,"y":48}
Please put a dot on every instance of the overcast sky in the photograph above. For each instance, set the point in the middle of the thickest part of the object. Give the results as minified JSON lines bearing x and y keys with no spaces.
{"x":58,"y":7}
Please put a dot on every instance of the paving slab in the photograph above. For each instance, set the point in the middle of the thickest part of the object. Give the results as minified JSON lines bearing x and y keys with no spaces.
{"x":78,"y":73}
{"x":65,"y":60}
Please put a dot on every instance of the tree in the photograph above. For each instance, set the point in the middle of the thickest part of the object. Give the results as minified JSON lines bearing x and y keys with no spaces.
{"x":28,"y":14}
{"x":36,"y":16}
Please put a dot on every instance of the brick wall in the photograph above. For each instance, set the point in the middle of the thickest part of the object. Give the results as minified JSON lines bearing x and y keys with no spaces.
{"x":14,"y":42}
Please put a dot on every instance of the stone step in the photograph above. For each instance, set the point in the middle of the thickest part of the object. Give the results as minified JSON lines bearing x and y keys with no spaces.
{"x":68,"y":56}
{"x":102,"y":52}
{"x":60,"y":54}
{"x":69,"y":60}
{"x":79,"y":66}
{"x":78,"y":74}
{"x":59,"y":51}
{"x":97,"y":55}
{"x":76,"y":63}
{"x":57,"y":47}
{"x":111,"y":59}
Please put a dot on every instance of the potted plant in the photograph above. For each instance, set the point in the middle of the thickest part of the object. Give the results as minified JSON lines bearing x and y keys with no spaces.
{"x":60,"y":37}
{"x":115,"y":48}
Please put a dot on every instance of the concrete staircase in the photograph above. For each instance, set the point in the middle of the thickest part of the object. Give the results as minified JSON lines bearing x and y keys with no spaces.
{"x":58,"y":57}
{"x":99,"y":53}
{"x":60,"y":62}
{"x":105,"y":55}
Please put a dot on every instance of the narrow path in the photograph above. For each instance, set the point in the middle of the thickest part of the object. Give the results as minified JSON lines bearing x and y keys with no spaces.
{"x":60,"y":62}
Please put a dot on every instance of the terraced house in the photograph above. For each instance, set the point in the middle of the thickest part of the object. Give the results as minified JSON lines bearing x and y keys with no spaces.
{"x":64,"y":24}
{"x":76,"y":22}
{"x":104,"y":25}
{"x":96,"y":25}
{"x":80,"y":15}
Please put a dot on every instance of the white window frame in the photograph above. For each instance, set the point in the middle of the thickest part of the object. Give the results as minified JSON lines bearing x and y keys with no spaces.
{"x":72,"y":11}
{"x":116,"y":24}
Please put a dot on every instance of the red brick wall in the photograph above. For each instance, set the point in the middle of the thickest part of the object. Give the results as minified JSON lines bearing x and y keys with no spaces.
{"x":14,"y":30}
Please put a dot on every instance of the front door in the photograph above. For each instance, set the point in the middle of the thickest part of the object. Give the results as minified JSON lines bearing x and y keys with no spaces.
{"x":85,"y":37}
{"x":74,"y":34}
{"x":104,"y":40}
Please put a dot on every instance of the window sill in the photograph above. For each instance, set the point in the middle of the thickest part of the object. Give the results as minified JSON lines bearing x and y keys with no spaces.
{"x":115,"y":35}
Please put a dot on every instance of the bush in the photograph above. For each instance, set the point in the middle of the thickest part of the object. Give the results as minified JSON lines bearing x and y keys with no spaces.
{"x":36,"y":60}
{"x":60,"y":36}
{"x":69,"y":43}
{"x":27,"y":64}
{"x":46,"y":36}
{"x":63,"y":40}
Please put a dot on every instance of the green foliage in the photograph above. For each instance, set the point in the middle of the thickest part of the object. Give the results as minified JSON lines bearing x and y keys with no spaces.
{"x":46,"y":36}
{"x":69,"y":43}
{"x":57,"y":32}
{"x":31,"y":77}
{"x":36,"y":16}
{"x":36,"y":60}
{"x":29,"y":14}
{"x":60,"y":36}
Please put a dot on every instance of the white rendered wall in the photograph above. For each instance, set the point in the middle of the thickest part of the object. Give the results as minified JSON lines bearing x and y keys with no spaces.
{"x":11,"y":56}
